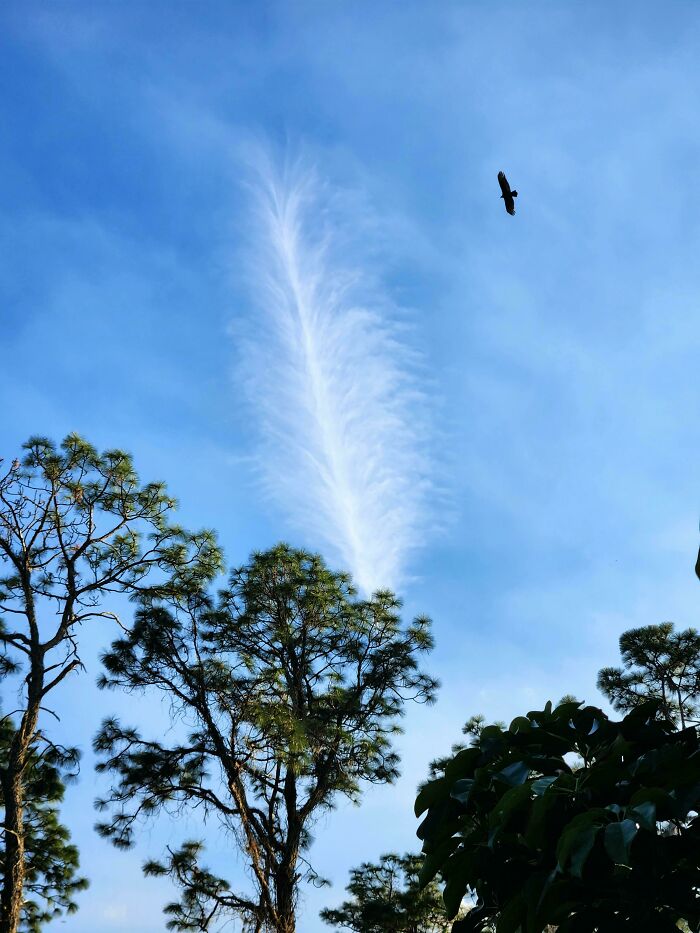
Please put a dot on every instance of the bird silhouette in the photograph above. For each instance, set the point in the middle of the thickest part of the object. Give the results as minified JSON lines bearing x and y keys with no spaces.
{"x":697,"y":565}
{"x":507,"y":194}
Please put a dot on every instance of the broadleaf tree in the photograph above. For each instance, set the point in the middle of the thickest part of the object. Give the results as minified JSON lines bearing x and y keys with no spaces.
{"x":539,"y":841}
{"x":76,"y":527}
{"x":289,"y":689}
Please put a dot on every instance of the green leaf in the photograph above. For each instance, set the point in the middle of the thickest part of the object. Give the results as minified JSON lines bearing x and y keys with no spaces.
{"x":618,"y":839}
{"x":511,"y":917}
{"x":542,"y":784}
{"x":542,"y":814}
{"x":515,"y":773}
{"x":462,"y":764}
{"x":431,"y":825}
{"x":581,"y":849}
{"x":472,"y":923}
{"x":567,"y":710}
{"x":511,"y":801}
{"x":462,"y":790}
{"x":645,"y":814}
{"x":533,"y":892}
{"x":664,"y":804}
{"x":469,"y":924}
{"x":455,"y":889}
{"x":520,"y":724}
{"x":430,"y":794}
{"x":434,"y":861}
{"x":578,"y":839}
{"x":559,"y":900}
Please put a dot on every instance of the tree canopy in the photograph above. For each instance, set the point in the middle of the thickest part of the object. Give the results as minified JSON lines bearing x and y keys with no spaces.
{"x":291,"y":687}
{"x":563,"y":819}
{"x":76,"y":526}
{"x":51,"y":862}
{"x":387,"y":898}
{"x":657,"y":663}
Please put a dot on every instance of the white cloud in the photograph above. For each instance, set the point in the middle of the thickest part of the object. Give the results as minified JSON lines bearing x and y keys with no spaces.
{"x":332,"y":383}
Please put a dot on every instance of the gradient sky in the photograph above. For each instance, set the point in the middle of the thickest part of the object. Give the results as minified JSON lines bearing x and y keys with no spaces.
{"x":561,"y":347}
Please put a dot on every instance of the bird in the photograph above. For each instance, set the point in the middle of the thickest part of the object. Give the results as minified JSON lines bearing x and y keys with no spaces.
{"x":697,"y":565}
{"x":507,"y":194}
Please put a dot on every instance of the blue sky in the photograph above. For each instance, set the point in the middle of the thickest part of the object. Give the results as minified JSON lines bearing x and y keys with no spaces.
{"x":560,"y":347}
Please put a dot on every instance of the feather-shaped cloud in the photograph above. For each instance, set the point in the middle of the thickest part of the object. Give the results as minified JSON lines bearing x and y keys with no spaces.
{"x":333,"y":384}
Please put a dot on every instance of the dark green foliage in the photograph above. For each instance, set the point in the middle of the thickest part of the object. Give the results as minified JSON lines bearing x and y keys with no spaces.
{"x":51,"y":862}
{"x":388,"y":898}
{"x":291,"y":688}
{"x":611,"y":846}
{"x":204,"y":894}
{"x":76,"y":526}
{"x":657,"y":663}
{"x":472,"y":728}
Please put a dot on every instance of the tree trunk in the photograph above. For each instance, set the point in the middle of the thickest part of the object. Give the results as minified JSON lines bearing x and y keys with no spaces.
{"x":285,"y":891}
{"x":286,"y":879}
{"x":13,"y":882}
{"x":12,"y":895}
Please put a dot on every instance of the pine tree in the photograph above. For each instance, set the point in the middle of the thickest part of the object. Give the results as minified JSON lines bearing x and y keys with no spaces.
{"x":289,"y":689}
{"x":51,"y":861}
{"x":387,"y":898}
{"x":658,"y":663}
{"x":75,"y":527}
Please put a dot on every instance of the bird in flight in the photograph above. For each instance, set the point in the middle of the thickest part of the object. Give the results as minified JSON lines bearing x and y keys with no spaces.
{"x":507,"y":194}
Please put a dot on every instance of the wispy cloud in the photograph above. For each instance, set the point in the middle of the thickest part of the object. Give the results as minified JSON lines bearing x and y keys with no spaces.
{"x":332,"y":381}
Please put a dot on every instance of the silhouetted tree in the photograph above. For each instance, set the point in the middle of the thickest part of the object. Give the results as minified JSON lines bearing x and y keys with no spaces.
{"x":658,"y":663}
{"x":387,"y":898}
{"x":472,"y":728}
{"x":290,"y":688}
{"x":51,"y":862}
{"x":75,"y":526}
{"x":539,"y":843}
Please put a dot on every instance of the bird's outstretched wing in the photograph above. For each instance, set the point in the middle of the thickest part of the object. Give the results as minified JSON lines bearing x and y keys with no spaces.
{"x":508,"y":199}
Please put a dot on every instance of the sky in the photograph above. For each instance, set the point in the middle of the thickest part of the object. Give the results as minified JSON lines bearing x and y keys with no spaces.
{"x":555,"y":352}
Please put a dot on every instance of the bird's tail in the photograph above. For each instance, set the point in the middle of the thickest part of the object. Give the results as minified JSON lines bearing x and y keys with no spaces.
{"x":514,"y":193}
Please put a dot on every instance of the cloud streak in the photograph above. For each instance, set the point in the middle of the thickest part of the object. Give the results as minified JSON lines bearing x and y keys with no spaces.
{"x":332,"y":382}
